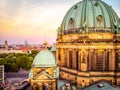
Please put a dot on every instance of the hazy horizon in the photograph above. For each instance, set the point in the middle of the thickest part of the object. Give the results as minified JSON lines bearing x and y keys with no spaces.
{"x":35,"y":20}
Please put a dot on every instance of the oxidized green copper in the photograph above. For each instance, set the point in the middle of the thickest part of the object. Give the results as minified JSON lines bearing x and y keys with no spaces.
{"x":44,"y":58}
{"x":90,"y":16}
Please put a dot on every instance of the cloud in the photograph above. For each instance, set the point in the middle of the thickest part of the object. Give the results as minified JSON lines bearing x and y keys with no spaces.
{"x":32,"y":19}
{"x":118,"y":12}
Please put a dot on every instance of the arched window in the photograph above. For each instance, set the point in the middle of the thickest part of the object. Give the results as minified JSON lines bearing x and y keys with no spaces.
{"x":65,"y":58}
{"x":77,"y":60}
{"x":107,"y":61}
{"x":99,"y":60}
{"x":100,"y":23}
{"x":83,"y":57}
{"x":70,"y":59}
{"x":117,"y":60}
{"x":71,"y":23}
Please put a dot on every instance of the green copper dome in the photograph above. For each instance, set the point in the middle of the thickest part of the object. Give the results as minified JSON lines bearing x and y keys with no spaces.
{"x":44,"y":58}
{"x":90,"y":16}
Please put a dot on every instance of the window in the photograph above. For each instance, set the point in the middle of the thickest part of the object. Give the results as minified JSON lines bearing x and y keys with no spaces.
{"x":99,"y":18}
{"x":99,"y":61}
{"x":100,"y":23}
{"x":65,"y":58}
{"x":70,"y":59}
{"x":107,"y":61}
{"x":92,"y":60}
{"x":77,"y":58}
{"x":71,"y":23}
{"x":83,"y":57}
{"x":117,"y":57}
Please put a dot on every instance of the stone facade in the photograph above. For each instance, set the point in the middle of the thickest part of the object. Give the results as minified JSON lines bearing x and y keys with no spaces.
{"x":44,"y":73}
{"x":87,"y":58}
{"x":43,"y":79}
{"x":88,"y":44}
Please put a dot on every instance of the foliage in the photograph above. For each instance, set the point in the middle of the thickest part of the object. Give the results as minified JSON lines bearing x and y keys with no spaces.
{"x":3,"y":55}
{"x":13,"y":62}
{"x":33,"y":53}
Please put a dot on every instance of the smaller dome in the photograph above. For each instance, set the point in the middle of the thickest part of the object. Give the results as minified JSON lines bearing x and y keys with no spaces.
{"x":44,"y":58}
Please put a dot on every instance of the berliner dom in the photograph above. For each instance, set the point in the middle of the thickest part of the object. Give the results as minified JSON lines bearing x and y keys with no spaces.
{"x":88,"y":44}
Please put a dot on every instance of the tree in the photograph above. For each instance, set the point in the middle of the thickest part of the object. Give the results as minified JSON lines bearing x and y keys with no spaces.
{"x":24,"y":62}
{"x":14,"y":67}
{"x":4,"y":55}
{"x":33,"y":53}
{"x":13,"y":62}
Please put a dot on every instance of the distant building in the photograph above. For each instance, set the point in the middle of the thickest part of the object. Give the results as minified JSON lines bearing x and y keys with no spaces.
{"x":6,"y":45}
{"x":11,"y":51}
{"x":88,"y":44}
{"x":2,"y":74}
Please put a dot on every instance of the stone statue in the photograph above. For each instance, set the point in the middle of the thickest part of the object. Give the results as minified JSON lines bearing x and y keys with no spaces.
{"x":84,"y":25}
{"x":59,"y":31}
{"x":117,"y":25}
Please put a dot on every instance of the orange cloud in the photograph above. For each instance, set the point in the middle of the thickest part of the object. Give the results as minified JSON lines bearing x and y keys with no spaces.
{"x":5,"y":25}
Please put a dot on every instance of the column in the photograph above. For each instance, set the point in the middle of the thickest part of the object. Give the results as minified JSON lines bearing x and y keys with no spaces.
{"x":40,"y":86}
{"x":62,"y":57}
{"x":54,"y":85}
{"x":113,"y":60}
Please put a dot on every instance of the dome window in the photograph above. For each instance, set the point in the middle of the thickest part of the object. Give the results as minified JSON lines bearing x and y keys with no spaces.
{"x":96,"y":4}
{"x":71,"y":23}
{"x":100,"y":23}
{"x":75,"y":7}
{"x":99,"y":18}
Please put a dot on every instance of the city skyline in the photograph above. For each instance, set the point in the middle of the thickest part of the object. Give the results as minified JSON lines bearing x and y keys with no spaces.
{"x":35,"y":20}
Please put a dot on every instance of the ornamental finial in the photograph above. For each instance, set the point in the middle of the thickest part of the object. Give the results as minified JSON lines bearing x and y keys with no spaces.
{"x":45,"y":43}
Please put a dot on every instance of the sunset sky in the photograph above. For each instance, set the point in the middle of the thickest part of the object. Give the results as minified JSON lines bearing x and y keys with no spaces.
{"x":35,"y":20}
